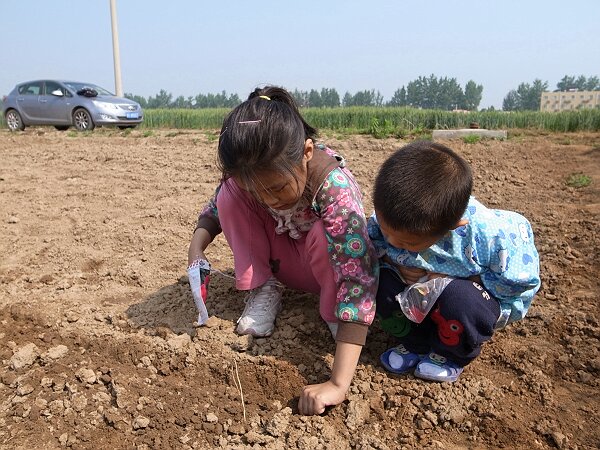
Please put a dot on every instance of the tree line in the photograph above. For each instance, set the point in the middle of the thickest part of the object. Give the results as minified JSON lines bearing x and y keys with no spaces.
{"x":425,"y":93}
{"x":527,"y":96}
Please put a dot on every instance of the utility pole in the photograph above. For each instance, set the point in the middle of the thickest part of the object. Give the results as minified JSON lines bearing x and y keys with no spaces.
{"x":116,"y":55}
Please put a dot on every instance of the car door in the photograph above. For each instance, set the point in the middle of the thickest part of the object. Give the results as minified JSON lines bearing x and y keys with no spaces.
{"x":28,"y":101}
{"x":55,"y":103}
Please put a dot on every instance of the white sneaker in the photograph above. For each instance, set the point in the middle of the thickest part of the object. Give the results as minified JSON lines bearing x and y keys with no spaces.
{"x":262,"y":306}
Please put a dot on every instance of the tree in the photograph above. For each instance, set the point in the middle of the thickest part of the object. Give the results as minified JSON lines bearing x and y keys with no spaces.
{"x":347,"y":101}
{"x":473,"y":93}
{"x":566,"y":83}
{"x":180,"y":102}
{"x":137,"y":98}
{"x":532,"y":98}
{"x":162,"y":100}
{"x":399,"y":98}
{"x":592,"y":84}
{"x":449,"y":95}
{"x":416,"y":93}
{"x":511,"y":101}
{"x":330,"y":98}
{"x":433,"y":93}
{"x":300,"y":97}
{"x":314,"y":99}
{"x":581,"y":83}
{"x":526,"y":97}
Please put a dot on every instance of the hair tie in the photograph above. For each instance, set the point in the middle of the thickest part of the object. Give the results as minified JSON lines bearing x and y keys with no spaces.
{"x":265,"y":97}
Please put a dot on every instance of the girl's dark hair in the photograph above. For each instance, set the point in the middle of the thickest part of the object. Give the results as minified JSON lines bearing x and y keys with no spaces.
{"x":423,"y":188}
{"x":266,"y":133}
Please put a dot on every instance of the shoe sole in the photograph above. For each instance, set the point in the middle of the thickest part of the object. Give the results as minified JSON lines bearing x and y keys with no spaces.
{"x":432,"y":378}
{"x":384,"y":358}
{"x":252,"y":332}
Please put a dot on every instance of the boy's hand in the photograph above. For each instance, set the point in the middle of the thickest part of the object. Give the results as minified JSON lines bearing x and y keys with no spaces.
{"x":411,"y":275}
{"x":432,"y":275}
{"x":316,"y":397}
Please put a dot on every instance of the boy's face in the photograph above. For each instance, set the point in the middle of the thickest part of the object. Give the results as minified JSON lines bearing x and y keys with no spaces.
{"x":407,"y":241}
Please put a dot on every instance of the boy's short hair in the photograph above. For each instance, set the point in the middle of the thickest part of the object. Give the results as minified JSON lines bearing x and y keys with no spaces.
{"x":423,"y":188}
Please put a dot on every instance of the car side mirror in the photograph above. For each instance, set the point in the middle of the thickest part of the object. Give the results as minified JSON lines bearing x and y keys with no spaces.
{"x":57,"y":93}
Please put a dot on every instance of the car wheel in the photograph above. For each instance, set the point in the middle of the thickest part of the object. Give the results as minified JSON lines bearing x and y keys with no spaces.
{"x":61,"y":127}
{"x":14,"y":121}
{"x":82,"y":120}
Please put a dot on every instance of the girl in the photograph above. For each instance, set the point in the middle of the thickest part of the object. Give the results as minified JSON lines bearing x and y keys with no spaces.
{"x":292,"y":214}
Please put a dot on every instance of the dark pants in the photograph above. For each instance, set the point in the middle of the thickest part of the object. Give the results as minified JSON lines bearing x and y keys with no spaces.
{"x":462,"y":319}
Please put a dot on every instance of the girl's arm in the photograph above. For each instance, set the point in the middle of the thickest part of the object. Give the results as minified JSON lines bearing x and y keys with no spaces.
{"x":355,"y":268}
{"x":207,"y":228}
{"x":200,"y":241}
{"x":316,"y":397}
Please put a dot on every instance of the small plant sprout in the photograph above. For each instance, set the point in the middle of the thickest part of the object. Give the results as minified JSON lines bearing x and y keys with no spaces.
{"x":579,"y":180}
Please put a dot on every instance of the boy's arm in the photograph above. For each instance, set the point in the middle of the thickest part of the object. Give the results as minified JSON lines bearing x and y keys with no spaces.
{"x":512,"y":274}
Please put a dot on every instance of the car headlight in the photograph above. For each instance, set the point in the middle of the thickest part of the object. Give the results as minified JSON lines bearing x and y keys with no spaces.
{"x":104,"y":105}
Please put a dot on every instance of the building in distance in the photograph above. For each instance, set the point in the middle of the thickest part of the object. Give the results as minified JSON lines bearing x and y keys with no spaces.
{"x":569,"y":100}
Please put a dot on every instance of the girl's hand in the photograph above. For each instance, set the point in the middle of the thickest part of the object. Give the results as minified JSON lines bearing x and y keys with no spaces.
{"x":411,"y":275}
{"x":200,"y":241}
{"x":199,"y":277}
{"x":316,"y":397}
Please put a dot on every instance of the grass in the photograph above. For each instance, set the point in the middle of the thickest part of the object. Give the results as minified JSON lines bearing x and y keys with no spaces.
{"x":579,"y":180}
{"x":471,"y":139}
{"x":211,"y":136}
{"x":381,"y":122}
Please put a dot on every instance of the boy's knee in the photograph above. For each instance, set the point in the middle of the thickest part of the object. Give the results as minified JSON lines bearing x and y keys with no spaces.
{"x":466,"y":297}
{"x":466,"y":313}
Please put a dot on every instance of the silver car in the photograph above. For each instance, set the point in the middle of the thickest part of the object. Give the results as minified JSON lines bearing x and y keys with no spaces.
{"x":68,"y":103}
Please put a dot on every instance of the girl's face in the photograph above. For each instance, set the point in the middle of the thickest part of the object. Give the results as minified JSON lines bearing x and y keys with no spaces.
{"x":283,"y":191}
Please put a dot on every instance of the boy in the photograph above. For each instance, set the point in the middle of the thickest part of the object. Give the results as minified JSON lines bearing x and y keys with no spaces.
{"x":425,"y":225}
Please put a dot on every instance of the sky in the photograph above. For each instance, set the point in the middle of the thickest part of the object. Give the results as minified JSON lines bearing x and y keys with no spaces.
{"x":190,"y":47}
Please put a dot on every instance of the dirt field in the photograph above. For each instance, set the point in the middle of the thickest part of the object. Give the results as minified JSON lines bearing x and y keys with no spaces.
{"x":98,"y":348}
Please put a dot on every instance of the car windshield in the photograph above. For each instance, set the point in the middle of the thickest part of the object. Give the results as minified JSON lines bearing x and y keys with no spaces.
{"x":74,"y":86}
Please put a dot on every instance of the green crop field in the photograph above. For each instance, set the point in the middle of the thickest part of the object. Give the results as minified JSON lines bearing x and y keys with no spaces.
{"x":393,"y":120}
{"x":386,"y":121}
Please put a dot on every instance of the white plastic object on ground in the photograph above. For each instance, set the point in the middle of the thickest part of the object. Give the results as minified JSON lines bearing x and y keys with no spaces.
{"x":199,"y":276}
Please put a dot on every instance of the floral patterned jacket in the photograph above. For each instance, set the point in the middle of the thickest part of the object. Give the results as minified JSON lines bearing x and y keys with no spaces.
{"x":337,"y":201}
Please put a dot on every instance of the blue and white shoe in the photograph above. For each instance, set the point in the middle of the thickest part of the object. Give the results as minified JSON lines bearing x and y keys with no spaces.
{"x":399,"y":360}
{"x":436,"y":367}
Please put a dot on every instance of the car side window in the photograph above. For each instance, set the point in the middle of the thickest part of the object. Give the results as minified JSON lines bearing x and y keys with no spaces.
{"x":52,"y":86}
{"x":31,"y":89}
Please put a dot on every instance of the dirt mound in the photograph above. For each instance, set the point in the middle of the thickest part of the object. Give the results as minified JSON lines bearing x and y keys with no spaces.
{"x":98,"y":347}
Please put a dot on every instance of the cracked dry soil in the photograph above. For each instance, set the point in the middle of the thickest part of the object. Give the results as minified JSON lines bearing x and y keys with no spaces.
{"x":98,"y":348}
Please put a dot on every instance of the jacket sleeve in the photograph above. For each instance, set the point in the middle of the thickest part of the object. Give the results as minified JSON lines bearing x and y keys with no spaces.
{"x":376,"y":236}
{"x":339,"y":204}
{"x":513,"y":272}
{"x":209,"y":216}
